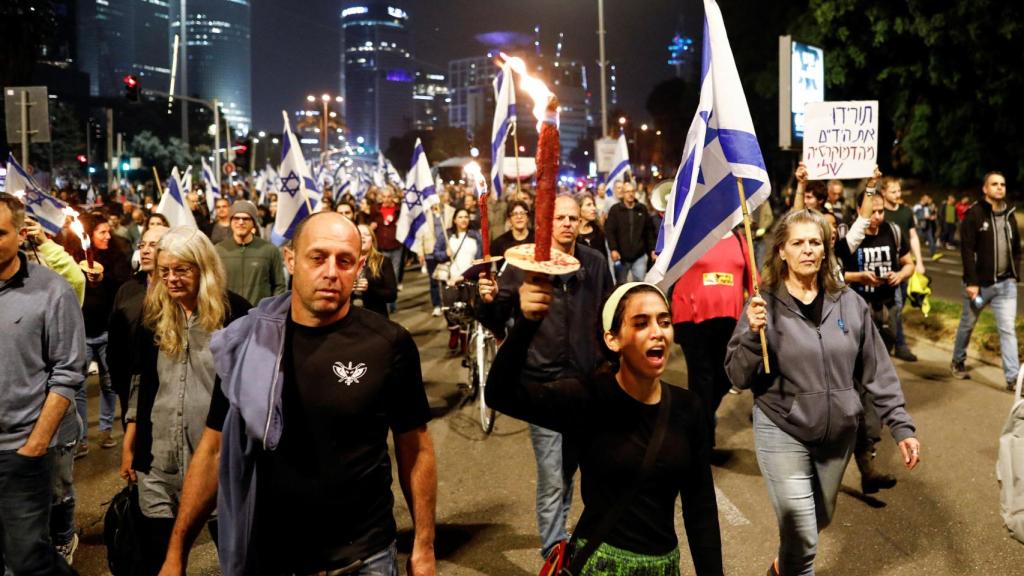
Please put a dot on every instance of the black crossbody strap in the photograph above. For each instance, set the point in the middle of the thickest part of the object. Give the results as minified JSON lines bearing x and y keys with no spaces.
{"x":579,"y":559}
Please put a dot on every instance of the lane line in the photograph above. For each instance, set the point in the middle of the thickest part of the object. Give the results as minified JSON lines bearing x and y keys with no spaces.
{"x":729,"y":510}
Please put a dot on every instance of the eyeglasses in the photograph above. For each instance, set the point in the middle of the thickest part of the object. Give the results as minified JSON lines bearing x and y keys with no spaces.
{"x":177,"y":272}
{"x":519,"y":213}
{"x":240,"y":218}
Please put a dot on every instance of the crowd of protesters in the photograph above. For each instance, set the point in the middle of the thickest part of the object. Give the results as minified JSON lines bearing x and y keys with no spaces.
{"x":225,"y":352}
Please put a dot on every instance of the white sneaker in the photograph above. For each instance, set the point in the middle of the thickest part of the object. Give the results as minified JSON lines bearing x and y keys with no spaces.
{"x":400,"y":287}
{"x":93,"y":368}
{"x":436,"y":312}
{"x":68,"y":550}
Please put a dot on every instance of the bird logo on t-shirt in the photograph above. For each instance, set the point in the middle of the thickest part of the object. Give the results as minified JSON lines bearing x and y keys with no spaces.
{"x":349,"y":374}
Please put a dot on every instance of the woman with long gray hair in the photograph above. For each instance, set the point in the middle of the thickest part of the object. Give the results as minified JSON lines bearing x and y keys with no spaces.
{"x":173,"y":379}
{"x":823,"y":347}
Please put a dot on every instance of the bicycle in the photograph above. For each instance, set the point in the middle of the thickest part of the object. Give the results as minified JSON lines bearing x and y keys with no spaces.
{"x":458,"y":304}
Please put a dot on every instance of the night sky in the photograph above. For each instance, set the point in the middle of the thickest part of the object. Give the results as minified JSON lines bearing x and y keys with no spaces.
{"x":296,"y":51}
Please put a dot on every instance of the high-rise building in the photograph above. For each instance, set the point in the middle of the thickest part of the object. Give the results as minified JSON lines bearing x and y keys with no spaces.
{"x":219,"y":54}
{"x":470,"y":90}
{"x":116,"y":38}
{"x":377,"y":80}
{"x":430,"y":100}
{"x":472,"y":94}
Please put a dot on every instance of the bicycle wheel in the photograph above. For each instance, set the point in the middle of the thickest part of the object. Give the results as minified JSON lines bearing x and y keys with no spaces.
{"x":485,"y":351}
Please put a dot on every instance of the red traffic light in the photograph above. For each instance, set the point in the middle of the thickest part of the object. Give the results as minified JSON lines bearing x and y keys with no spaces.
{"x":131,"y":81}
{"x":81,"y":159}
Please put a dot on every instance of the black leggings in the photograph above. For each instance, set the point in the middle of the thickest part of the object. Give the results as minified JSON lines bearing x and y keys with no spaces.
{"x":704,"y":346}
{"x":154,"y":538}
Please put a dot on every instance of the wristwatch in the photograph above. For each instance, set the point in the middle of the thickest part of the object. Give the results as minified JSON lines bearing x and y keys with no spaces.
{"x":870,"y":191}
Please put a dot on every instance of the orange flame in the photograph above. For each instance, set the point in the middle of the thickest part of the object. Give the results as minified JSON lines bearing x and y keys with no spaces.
{"x":77,"y":228}
{"x":473,"y":171}
{"x":538,"y":91}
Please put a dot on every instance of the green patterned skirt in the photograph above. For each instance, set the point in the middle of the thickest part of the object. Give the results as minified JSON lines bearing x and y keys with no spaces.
{"x":608,"y":560}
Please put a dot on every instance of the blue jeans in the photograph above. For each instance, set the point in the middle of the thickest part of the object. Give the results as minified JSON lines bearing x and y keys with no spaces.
{"x":803,"y":482}
{"x":554,"y":486}
{"x":383,"y":563}
{"x":637,"y":267}
{"x":96,"y":349}
{"x":26,"y":491}
{"x":435,"y":291}
{"x":1002,"y":296}
{"x":62,"y":515}
{"x":896,"y":316}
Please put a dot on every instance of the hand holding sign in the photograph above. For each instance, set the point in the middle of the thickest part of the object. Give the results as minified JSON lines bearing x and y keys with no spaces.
{"x":841,"y":139}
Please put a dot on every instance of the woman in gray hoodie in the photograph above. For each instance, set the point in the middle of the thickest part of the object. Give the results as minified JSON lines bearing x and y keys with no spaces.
{"x":822,"y":347}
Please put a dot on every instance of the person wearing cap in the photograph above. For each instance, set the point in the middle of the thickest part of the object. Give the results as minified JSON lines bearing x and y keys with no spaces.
{"x":642,"y":443}
{"x":568,"y":345}
{"x":254,"y":267}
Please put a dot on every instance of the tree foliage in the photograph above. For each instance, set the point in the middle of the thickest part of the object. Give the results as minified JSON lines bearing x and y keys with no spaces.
{"x":947,"y":74}
{"x":154,"y":152}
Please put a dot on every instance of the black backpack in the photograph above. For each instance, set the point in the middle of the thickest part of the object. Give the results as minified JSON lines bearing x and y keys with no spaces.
{"x":120,"y":532}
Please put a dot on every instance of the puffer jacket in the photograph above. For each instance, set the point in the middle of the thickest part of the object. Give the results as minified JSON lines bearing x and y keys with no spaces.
{"x":817,"y":371}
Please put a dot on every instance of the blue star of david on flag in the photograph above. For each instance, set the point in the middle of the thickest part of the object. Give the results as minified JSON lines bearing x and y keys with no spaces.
{"x":45,"y":209}
{"x":291,"y":184}
{"x":419,"y":197}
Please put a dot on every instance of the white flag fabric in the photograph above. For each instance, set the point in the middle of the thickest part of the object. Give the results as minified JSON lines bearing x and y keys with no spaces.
{"x":620,"y":163}
{"x":420,"y":196}
{"x":720,"y":147}
{"x":504,"y":116}
{"x":295,"y":188}
{"x":42,"y":207}
{"x":212,"y":189}
{"x":173,"y":204}
{"x":270,"y":181}
{"x":342,"y":183}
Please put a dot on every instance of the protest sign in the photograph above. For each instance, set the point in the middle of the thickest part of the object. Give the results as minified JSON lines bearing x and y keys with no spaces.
{"x":840,"y":139}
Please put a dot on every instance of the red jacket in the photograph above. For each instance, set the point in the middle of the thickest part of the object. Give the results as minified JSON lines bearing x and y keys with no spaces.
{"x":386,"y":220}
{"x":713,"y":287}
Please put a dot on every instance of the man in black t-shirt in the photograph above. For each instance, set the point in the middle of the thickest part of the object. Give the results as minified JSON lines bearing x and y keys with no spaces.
{"x":875,"y":269}
{"x":344,"y":378}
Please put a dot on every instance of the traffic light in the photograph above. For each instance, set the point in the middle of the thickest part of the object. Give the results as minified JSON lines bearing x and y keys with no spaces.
{"x":131,"y":88}
{"x":82,"y":159}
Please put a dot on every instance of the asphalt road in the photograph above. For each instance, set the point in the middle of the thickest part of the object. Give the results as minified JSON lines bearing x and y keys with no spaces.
{"x":942,"y":518}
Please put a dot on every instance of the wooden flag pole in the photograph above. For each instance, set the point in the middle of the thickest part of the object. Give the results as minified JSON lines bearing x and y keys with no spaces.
{"x":753,"y":264}
{"x":156,"y":177}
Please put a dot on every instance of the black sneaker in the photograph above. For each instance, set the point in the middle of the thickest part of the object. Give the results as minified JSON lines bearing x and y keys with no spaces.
{"x":959,"y":370}
{"x":1011,"y":386}
{"x":904,"y":353}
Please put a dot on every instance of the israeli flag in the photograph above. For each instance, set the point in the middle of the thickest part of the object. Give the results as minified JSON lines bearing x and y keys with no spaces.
{"x":212,"y":189}
{"x":720,"y":147}
{"x":269,"y":184}
{"x":173,"y":203}
{"x":618,"y":173}
{"x":295,"y":188}
{"x":42,"y":207}
{"x":420,"y":196}
{"x":504,"y":120}
{"x":342,"y":183}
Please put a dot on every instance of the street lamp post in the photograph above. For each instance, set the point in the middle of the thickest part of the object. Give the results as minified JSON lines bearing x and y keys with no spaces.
{"x":325,"y":120}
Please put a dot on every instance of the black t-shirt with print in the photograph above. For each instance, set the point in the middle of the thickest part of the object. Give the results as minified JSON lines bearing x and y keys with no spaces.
{"x":878,"y":253}
{"x":324,"y":495}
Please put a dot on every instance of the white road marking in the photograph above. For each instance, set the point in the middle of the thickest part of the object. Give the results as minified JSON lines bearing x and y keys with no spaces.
{"x":729,"y":511}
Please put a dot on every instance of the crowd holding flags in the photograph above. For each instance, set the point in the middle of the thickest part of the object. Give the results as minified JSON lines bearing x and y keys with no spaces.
{"x":504,"y":121}
{"x":420,"y":196}
{"x":720,"y":148}
{"x":212,"y":189}
{"x":45,"y":209}
{"x":621,"y":167}
{"x":173,"y":203}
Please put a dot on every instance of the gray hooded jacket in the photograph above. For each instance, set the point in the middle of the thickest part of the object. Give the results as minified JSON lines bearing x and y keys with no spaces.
{"x":816,"y":371}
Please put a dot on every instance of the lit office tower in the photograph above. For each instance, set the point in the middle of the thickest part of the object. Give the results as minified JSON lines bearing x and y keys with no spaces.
{"x":430,"y":100}
{"x":376,"y":76}
{"x":219,"y":63}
